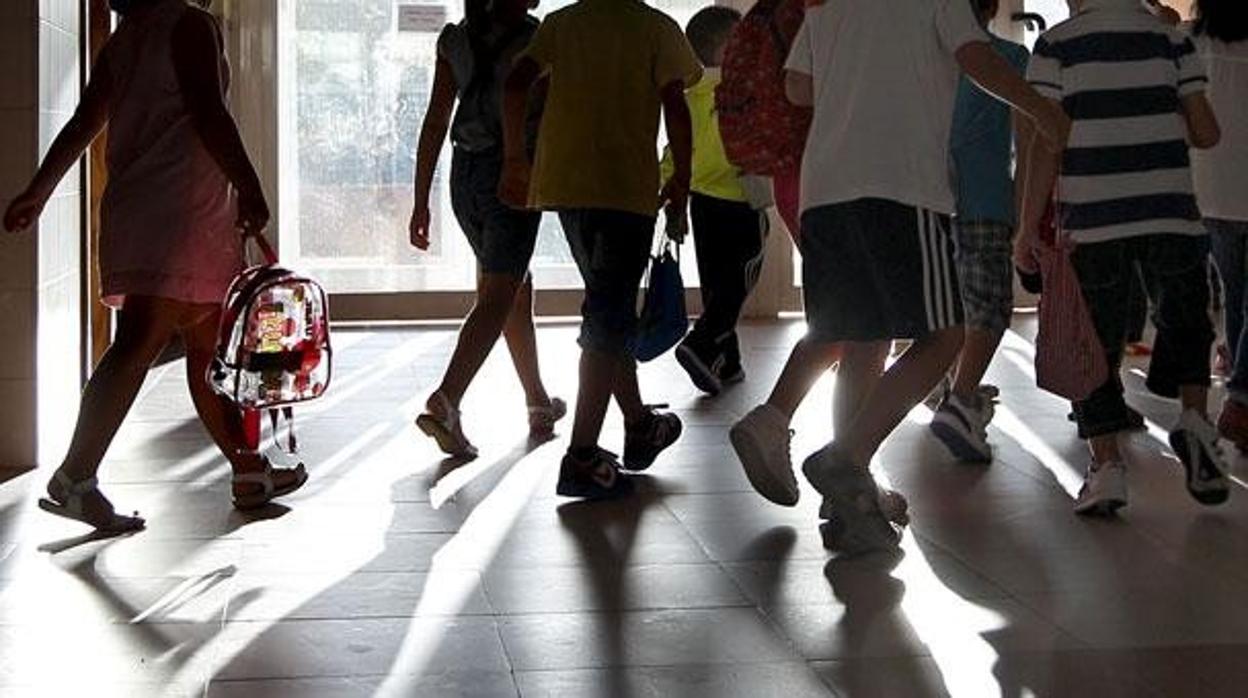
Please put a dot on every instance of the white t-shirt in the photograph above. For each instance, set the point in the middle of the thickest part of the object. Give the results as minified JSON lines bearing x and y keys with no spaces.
{"x":885,"y":82}
{"x":1221,"y":173}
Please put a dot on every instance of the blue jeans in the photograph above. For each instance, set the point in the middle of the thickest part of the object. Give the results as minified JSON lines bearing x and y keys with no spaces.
{"x":1230,"y":252}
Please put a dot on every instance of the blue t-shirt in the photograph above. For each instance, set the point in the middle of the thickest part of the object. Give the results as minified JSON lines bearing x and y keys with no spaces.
{"x":980,"y":144}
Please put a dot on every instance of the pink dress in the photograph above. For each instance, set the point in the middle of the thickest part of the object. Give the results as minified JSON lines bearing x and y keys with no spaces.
{"x":168,"y":212}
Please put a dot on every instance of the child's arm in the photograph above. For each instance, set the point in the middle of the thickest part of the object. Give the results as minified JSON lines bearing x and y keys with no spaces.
{"x":1203,"y":130}
{"x":432,"y":135}
{"x":679,"y":126}
{"x":799,"y":88}
{"x":513,"y":186}
{"x":997,"y":77}
{"x":1042,"y":163}
{"x":82,"y":128}
{"x":197,"y":48}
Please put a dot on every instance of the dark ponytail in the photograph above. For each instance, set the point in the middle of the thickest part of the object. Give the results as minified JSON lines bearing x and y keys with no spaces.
{"x":1224,"y":20}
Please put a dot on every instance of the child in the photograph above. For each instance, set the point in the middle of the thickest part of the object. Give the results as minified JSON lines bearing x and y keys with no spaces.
{"x":728,"y":229}
{"x":876,"y":251}
{"x":612,"y":65}
{"x":474,"y":57}
{"x":1135,"y":89}
{"x":1221,"y":36}
{"x":984,"y":230}
{"x":181,"y":194}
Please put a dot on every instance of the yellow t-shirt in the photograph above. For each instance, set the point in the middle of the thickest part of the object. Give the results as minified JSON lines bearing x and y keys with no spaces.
{"x":607,"y":61}
{"x":713,"y":174}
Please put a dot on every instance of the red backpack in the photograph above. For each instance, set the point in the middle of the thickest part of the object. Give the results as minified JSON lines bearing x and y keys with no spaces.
{"x":763,"y":133}
{"x":273,"y":347}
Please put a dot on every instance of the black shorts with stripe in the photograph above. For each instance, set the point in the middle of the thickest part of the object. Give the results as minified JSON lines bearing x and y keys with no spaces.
{"x":874,"y":269}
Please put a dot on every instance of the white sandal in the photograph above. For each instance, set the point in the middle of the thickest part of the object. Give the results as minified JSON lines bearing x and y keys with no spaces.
{"x":269,"y":489}
{"x":542,"y":418}
{"x":447,"y":431}
{"x":72,"y":506}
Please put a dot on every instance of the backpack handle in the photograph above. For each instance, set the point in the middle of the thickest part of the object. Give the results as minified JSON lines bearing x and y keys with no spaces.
{"x":266,"y":249}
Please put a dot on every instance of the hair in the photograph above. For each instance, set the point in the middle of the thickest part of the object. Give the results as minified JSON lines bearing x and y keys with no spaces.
{"x":1225,"y":20}
{"x":979,"y":7}
{"x":709,"y":29}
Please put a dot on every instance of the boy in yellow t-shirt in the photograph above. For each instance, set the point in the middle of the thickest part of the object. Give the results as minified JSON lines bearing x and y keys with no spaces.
{"x":729,"y":228}
{"x":613,"y":66}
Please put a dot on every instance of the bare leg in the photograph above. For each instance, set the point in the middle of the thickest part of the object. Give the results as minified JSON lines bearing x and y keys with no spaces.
{"x":222,"y":418}
{"x":627,"y":392}
{"x":496,"y":294}
{"x":907,"y":382}
{"x":862,"y":366}
{"x":144,"y":327}
{"x":522,"y":343}
{"x":977,"y":352}
{"x":806,"y":363}
{"x":597,"y":383}
{"x":1196,"y":398}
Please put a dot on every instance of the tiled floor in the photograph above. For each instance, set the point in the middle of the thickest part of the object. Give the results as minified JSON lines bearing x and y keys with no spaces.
{"x":397,"y":573}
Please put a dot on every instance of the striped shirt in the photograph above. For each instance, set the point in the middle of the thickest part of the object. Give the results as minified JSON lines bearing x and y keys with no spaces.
{"x":1120,"y":74}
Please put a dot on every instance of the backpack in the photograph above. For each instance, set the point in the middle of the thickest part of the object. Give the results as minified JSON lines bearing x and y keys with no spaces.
{"x":273,"y":347}
{"x":763,"y":133}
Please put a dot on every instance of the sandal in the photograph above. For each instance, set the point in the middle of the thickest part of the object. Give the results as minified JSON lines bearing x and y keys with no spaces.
{"x":542,"y":418}
{"x":268,"y":486}
{"x":447,"y":431}
{"x":70,"y":506}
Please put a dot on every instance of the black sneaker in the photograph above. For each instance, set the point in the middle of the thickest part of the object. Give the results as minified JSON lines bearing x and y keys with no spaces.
{"x":701,"y":365}
{"x":644,"y":443}
{"x":596,"y":478}
{"x":731,"y":373}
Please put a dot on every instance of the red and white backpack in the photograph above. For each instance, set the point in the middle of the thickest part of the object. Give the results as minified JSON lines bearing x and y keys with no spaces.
{"x":273,"y":347}
{"x":763,"y":133}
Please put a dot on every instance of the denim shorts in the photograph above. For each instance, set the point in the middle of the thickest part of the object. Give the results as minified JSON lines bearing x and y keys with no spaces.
{"x":611,"y":249}
{"x":1176,"y":273}
{"x":502,"y":238}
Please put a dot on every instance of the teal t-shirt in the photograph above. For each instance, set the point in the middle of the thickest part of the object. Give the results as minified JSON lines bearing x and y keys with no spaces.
{"x":980,"y":142}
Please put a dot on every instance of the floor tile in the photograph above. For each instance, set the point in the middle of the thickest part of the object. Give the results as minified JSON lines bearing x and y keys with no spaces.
{"x":722,"y":681}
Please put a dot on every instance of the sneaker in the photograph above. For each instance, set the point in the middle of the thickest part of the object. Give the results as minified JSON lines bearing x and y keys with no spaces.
{"x":447,"y":429}
{"x":855,"y":498}
{"x":731,"y":373}
{"x":1195,"y":442}
{"x":1104,"y":490}
{"x":644,"y":443}
{"x":1233,"y":424}
{"x":892,"y":503}
{"x":701,"y":366}
{"x":962,"y":428}
{"x":761,"y":440}
{"x":597,"y":478}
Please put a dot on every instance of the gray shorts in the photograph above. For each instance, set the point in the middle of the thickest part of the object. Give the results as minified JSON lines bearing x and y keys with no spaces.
{"x":985,"y":251}
{"x":502,"y":238}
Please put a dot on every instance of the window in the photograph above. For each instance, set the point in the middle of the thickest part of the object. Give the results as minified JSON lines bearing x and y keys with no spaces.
{"x":358,"y":90}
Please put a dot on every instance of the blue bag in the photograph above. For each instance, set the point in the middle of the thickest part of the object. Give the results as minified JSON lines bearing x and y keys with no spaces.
{"x":664,"y":321}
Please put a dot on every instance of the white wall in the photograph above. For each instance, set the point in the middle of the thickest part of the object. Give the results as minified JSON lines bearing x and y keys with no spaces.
{"x":40,"y":279}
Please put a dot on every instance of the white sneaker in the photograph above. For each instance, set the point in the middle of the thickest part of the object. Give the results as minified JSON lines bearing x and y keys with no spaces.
{"x":893,"y":505}
{"x":1195,"y":442}
{"x":1104,"y":490}
{"x":963,"y":428}
{"x":761,"y":440}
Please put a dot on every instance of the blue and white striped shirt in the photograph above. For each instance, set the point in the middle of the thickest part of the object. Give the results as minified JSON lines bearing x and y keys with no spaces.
{"x":1121,"y":73}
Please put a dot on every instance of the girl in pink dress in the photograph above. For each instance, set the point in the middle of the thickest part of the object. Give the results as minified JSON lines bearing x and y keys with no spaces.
{"x":181,"y":196}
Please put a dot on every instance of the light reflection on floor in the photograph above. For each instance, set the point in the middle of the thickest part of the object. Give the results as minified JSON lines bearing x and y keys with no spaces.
{"x":400,"y":573}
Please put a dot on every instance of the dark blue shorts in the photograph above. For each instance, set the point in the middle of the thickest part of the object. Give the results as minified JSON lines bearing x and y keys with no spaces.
{"x":611,"y":249}
{"x":502,"y":238}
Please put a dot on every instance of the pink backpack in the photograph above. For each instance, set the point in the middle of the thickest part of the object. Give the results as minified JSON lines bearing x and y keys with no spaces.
{"x":763,"y":133}
{"x":1070,"y":360}
{"x":273,"y":347}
